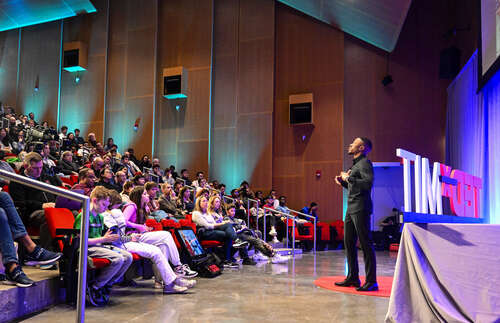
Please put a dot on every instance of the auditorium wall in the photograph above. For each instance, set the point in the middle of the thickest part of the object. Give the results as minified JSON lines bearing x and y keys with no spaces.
{"x":243,"y":81}
{"x":309,"y":59}
{"x":244,"y":59}
{"x":182,"y":126}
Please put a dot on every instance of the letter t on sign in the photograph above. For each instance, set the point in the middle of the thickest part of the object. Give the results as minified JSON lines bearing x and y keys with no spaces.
{"x":408,"y":157}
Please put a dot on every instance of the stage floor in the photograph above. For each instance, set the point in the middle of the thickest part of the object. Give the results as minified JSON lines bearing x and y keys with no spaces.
{"x":265,"y":293}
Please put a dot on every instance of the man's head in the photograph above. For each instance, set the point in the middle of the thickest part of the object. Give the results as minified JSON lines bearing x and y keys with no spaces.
{"x":31,"y":115}
{"x":269,"y":200}
{"x":67,"y":156}
{"x":115,"y":199}
{"x":121,"y":177}
{"x":91,"y":137}
{"x":151,"y":189}
{"x":46,"y":150}
{"x":99,"y":199}
{"x":86,"y":177}
{"x":360,"y":146}
{"x":231,"y":210}
{"x":314,"y":207}
{"x":282,"y":200}
{"x":64,"y":129}
{"x":156,"y":162}
{"x":107,"y":174}
{"x":77,"y":132}
{"x":139,"y":179}
{"x":166,"y":189}
{"x":98,"y":163}
{"x":33,"y":165}
{"x":200,"y":175}
{"x":184,"y":173}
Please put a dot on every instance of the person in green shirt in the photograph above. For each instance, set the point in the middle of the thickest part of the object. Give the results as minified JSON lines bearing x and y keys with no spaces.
{"x":100,"y":247}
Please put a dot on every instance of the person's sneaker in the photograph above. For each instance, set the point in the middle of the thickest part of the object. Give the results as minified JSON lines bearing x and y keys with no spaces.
{"x":277,"y":259}
{"x":189,"y":283}
{"x":18,"y":277}
{"x":41,"y":256}
{"x":275,"y":240}
{"x":172,"y":288}
{"x":249,"y":262}
{"x":48,"y":267}
{"x":230,"y":264}
{"x":260,"y":257}
{"x":185,"y":271}
{"x":273,"y":232}
{"x":238,"y":243}
{"x":94,"y":296}
{"x":158,"y":285}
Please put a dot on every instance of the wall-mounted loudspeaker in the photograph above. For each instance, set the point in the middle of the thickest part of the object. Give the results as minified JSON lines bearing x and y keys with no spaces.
{"x":75,"y":56}
{"x":301,"y":108}
{"x":175,"y":82}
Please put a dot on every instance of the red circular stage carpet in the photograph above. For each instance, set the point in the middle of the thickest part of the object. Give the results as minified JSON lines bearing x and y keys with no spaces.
{"x":384,"y":286}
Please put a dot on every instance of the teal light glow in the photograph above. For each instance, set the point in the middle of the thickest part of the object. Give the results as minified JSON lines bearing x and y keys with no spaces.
{"x":175,"y":96}
{"x":27,"y":13}
{"x":73,"y":69}
{"x":344,"y":203}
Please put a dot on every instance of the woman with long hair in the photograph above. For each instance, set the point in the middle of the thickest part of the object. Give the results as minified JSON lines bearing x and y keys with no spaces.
{"x":155,"y":246}
{"x":210,"y":229}
{"x":184,"y":202}
{"x":161,"y":239}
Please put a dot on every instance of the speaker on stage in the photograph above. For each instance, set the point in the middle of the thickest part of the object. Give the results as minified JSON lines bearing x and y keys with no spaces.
{"x":75,"y":56}
{"x":175,"y":82}
{"x":301,"y":108}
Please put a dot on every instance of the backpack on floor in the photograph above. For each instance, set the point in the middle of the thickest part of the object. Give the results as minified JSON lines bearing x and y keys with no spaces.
{"x":206,"y":264}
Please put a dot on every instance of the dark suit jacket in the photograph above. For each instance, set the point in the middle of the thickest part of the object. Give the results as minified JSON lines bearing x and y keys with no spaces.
{"x":359,"y":186}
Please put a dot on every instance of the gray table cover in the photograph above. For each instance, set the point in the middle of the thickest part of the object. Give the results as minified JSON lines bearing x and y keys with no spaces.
{"x":447,"y":273}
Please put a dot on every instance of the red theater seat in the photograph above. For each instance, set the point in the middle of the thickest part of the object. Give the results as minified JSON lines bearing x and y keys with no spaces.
{"x":99,"y":263}
{"x":58,"y":218}
{"x":325,"y":230}
{"x":211,"y":243}
{"x":339,"y":226}
{"x":298,"y":236}
{"x":152,"y":223}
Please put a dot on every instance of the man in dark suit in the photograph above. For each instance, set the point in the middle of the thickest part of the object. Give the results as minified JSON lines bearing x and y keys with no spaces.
{"x":359,"y":181}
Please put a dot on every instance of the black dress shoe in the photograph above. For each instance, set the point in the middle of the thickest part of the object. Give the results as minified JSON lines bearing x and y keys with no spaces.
{"x":348,"y":282}
{"x":368,"y":287}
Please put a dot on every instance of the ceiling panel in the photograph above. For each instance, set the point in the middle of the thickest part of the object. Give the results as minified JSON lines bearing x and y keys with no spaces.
{"x":21,"y":13}
{"x":377,"y":22}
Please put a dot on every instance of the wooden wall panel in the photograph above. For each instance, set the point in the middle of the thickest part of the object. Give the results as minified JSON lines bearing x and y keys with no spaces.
{"x":40,"y":45}
{"x":243,"y":92}
{"x":130,"y":87}
{"x":185,"y":39}
{"x":9,"y":44}
{"x":309,"y":59}
{"x":410,"y":113}
{"x":82,"y":103}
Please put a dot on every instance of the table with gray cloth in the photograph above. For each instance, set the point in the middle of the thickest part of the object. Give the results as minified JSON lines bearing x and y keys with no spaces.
{"x":447,"y":273}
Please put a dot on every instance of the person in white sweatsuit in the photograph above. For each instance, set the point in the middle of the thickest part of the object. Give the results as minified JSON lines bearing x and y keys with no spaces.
{"x":157,"y":246}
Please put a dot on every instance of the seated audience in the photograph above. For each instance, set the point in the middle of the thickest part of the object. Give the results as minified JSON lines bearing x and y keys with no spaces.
{"x":147,"y":245}
{"x":86,"y":181}
{"x":66,"y":164}
{"x":31,"y":202}
{"x":99,"y":242}
{"x":311,"y":210}
{"x":212,"y":229}
{"x":168,"y":202}
{"x":262,"y":248}
{"x":184,"y":202}
{"x":12,"y":228}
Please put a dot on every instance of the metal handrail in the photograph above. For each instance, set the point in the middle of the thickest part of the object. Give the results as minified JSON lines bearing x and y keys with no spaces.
{"x":315,"y":223}
{"x":293,"y":217}
{"x":293,"y":226}
{"x":84,"y":231}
